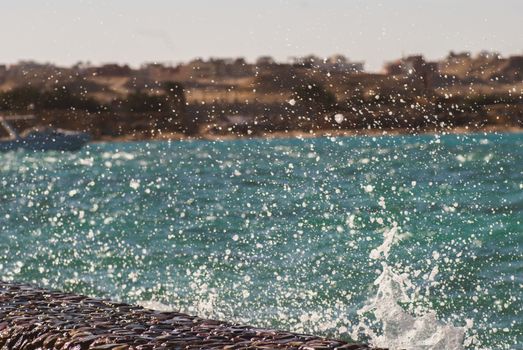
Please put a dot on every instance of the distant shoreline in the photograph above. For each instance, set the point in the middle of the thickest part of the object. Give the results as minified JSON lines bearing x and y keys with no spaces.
{"x":304,"y":134}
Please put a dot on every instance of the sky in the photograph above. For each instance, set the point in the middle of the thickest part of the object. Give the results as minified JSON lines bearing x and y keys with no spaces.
{"x":129,"y":31}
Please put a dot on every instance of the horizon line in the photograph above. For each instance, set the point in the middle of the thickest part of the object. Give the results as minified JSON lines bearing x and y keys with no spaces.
{"x":289,"y":60}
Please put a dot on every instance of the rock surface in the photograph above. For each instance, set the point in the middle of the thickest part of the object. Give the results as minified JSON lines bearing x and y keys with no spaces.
{"x":32,"y":318}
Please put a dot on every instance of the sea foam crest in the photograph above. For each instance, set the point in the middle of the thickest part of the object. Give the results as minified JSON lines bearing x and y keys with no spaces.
{"x":399,"y":328}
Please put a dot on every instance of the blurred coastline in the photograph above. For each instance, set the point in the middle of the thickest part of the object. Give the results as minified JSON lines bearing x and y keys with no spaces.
{"x":306,"y":96}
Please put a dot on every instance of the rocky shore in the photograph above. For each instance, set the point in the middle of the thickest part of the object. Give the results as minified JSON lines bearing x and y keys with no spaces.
{"x":32,"y":318}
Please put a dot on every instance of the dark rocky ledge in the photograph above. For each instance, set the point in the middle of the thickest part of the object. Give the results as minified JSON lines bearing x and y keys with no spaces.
{"x":32,"y":318}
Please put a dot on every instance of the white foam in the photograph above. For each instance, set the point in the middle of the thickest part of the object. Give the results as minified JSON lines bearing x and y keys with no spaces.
{"x":399,"y":328}
{"x":155,"y":305}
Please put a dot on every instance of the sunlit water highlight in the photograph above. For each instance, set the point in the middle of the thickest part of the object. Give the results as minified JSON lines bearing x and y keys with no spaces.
{"x":391,"y":240}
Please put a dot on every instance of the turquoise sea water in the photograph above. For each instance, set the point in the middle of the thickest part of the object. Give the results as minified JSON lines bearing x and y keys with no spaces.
{"x":277,"y":232}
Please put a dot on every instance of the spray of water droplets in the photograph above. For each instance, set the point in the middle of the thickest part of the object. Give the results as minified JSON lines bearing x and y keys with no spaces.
{"x":404,"y":241}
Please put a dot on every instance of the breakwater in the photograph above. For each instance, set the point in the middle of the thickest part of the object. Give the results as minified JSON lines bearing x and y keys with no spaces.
{"x":34,"y":318}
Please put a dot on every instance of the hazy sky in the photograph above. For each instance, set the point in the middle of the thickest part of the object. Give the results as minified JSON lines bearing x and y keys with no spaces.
{"x":129,"y":31}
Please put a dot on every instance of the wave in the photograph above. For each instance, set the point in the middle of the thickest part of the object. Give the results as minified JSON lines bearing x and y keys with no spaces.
{"x":399,"y":329}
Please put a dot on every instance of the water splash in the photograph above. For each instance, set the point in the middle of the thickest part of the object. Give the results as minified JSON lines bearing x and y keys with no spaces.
{"x":399,"y":328}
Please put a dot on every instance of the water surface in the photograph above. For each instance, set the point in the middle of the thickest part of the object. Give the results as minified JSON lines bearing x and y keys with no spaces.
{"x":277,"y":232}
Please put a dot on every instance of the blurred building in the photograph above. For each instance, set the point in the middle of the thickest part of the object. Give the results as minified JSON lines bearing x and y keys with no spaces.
{"x":511,"y":70}
{"x":112,"y":70}
{"x":3,"y":73}
{"x":334,"y":63}
{"x":215,"y":68}
{"x":341,"y":63}
{"x":416,"y":67}
{"x":265,"y":61}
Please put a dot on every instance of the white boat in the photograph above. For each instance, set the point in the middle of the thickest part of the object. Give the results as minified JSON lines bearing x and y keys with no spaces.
{"x":46,"y":139}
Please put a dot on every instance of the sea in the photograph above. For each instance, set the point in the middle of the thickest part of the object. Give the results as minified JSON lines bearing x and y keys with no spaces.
{"x":406,"y":242}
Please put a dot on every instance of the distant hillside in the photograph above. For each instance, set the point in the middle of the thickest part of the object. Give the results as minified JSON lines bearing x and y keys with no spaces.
{"x":226,"y":96}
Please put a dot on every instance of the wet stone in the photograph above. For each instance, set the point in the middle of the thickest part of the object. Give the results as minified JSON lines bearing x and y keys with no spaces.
{"x":32,"y":318}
